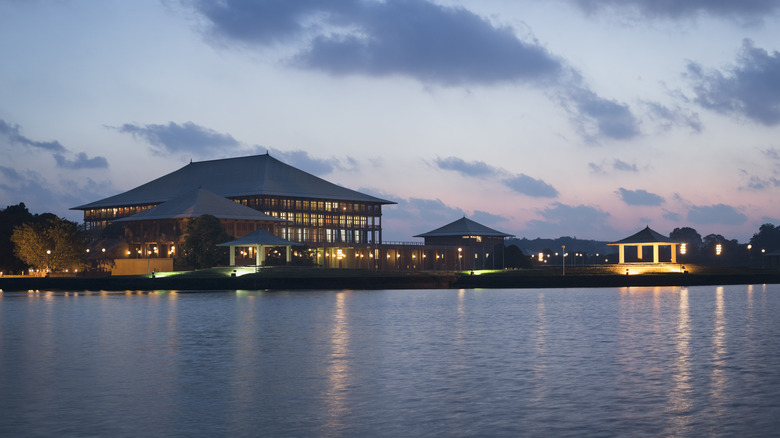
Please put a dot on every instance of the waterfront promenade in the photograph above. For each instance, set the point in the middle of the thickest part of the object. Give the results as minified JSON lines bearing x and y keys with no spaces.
{"x":332,"y":279}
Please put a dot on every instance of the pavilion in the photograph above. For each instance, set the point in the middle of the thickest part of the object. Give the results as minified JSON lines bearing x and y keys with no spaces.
{"x":646,"y":238}
{"x":259,"y":240}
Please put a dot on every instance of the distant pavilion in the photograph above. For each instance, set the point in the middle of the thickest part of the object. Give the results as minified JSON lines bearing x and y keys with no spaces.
{"x":464,"y":244}
{"x":643,"y":239}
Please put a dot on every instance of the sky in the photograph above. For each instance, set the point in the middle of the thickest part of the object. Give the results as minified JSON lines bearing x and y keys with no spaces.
{"x":540,"y":118}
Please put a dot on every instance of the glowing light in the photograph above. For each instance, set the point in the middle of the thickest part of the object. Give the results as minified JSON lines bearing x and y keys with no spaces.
{"x":683,"y":248}
{"x":718,"y":249}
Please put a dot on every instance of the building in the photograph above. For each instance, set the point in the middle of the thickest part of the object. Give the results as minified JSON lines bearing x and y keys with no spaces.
{"x":463,"y":244}
{"x":313,"y":211}
{"x":647,"y":246}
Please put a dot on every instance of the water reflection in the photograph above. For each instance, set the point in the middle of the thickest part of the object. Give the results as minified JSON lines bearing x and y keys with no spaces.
{"x":680,"y":403}
{"x":338,"y":367}
{"x":718,"y":377}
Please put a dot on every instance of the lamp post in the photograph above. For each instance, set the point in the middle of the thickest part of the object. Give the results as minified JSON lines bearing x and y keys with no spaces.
{"x":460,"y":259}
{"x":563,"y":258}
{"x":48,"y":260}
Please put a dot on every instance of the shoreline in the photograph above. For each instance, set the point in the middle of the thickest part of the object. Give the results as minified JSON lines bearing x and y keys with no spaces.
{"x":317,"y":279}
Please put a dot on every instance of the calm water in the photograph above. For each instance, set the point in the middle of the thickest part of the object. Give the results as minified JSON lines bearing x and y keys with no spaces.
{"x":698,"y":361}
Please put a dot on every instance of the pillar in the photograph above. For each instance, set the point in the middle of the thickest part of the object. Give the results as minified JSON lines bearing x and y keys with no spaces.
{"x":621,"y":254}
{"x":288,"y":255}
{"x":639,"y":252}
{"x":655,"y":253}
{"x":674,"y":253}
{"x":232,"y":255}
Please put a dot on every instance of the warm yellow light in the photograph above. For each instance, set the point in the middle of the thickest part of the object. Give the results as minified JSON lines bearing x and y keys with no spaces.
{"x":683,"y":248}
{"x":718,"y":249}
{"x":103,"y":249}
{"x":541,"y":256}
{"x":48,"y":251}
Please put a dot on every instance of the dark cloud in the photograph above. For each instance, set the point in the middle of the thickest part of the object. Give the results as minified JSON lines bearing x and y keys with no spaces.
{"x":14,"y":136}
{"x":81,"y":162}
{"x":529,"y":186}
{"x":41,"y":195}
{"x":623,"y":166}
{"x":598,"y":117}
{"x":639,"y":197}
{"x":596,"y":168}
{"x":317,"y":166}
{"x":429,"y":42}
{"x":716,"y":214}
{"x":476,"y":169}
{"x":755,"y":182}
{"x":668,"y":118}
{"x":520,"y":183}
{"x":567,"y":220}
{"x":672,"y":216}
{"x":188,"y":137}
{"x":743,"y":9}
{"x":750,"y":89}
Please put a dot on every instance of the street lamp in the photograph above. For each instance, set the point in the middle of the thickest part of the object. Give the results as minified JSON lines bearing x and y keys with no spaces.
{"x":460,"y":259}
{"x":48,"y":260}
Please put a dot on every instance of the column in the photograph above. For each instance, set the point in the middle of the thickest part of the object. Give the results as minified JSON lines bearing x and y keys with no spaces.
{"x":621,"y":254}
{"x":655,"y":253}
{"x":232,"y":250}
{"x":674,"y":253}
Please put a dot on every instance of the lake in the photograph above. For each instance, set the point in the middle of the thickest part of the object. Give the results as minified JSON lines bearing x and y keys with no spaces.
{"x":666,"y":361}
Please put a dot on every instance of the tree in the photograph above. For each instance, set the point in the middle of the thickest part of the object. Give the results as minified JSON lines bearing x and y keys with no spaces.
{"x":692,"y":240}
{"x":11,"y":217}
{"x":200,"y":248}
{"x":51,"y":243}
{"x":767,"y":238}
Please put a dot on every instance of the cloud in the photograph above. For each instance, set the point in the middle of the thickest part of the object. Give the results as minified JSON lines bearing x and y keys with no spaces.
{"x":520,"y":183}
{"x":749,"y":89}
{"x":675,"y":9}
{"x":41,"y":195}
{"x":529,"y":186}
{"x":623,"y":166}
{"x":639,"y":197}
{"x":174,"y":138}
{"x":422,"y":40}
{"x":668,"y":118}
{"x":597,"y":117}
{"x":568,"y":220}
{"x":596,"y":168}
{"x":720,"y":214}
{"x":14,"y":136}
{"x":671,"y":216}
{"x":81,"y":162}
{"x":477,"y":169}
{"x":318,"y":166}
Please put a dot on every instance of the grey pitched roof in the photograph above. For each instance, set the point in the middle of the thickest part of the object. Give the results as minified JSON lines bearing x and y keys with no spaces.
{"x":259,"y":237}
{"x":645,"y":236}
{"x":197,"y":202}
{"x":232,"y":177}
{"x":464,"y":227}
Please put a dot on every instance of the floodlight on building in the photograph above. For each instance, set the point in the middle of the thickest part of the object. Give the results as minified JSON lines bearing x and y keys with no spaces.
{"x":683,"y":248}
{"x":718,"y":249}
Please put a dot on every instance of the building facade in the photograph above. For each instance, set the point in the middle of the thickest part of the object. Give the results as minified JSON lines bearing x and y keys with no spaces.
{"x":312,"y":211}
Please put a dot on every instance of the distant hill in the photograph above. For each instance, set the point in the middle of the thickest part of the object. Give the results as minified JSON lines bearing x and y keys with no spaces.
{"x":572,"y":245}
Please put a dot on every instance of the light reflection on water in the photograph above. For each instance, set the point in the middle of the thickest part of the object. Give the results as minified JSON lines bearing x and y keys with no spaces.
{"x":547,"y":362}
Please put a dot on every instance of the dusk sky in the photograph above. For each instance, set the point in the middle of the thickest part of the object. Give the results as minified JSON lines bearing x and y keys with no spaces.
{"x":540,"y":118}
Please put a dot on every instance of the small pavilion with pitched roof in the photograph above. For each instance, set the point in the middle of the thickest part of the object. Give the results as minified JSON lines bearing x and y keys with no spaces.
{"x":646,"y":237}
{"x":464,"y":244}
{"x":260,"y":240}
